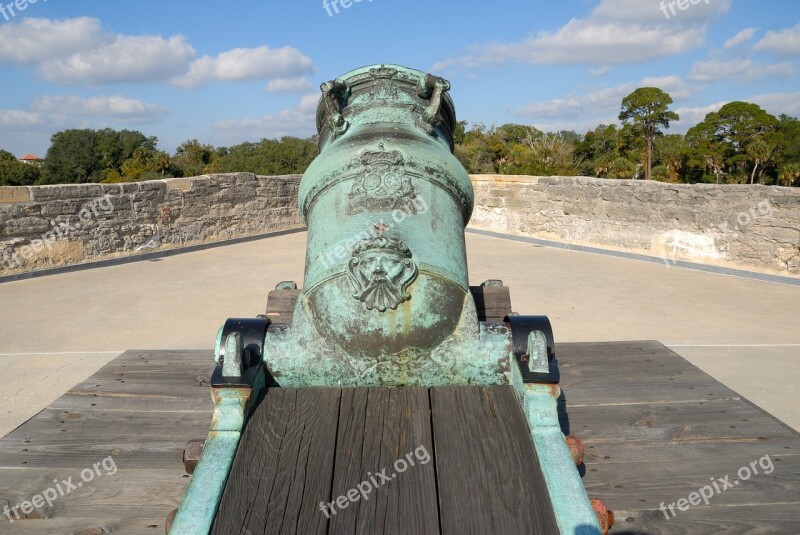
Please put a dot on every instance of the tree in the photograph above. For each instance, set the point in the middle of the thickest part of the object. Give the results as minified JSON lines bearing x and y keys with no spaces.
{"x":670,"y":152}
{"x":192,"y":157}
{"x":79,"y":156}
{"x":15,"y":173}
{"x":749,"y":137}
{"x":289,"y":155}
{"x":647,"y":110}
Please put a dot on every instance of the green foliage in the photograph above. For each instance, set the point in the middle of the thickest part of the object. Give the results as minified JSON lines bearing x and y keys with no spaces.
{"x":647,"y":111}
{"x":79,"y":156}
{"x":193,"y":158}
{"x":15,"y":173}
{"x":290,"y":155}
{"x":741,"y":143}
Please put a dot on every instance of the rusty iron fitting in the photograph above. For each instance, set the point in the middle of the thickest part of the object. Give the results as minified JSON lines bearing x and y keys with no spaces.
{"x":605,"y":517}
{"x":170,"y":518}
{"x":576,"y":449}
{"x":191,"y":454}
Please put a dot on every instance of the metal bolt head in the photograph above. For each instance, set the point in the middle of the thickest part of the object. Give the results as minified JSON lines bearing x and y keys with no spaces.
{"x":170,"y":519}
{"x":604,"y":516}
{"x":191,"y":454}
{"x":576,"y":449}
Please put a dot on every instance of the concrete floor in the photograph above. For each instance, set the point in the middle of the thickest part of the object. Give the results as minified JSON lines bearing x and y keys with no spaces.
{"x":57,"y":330}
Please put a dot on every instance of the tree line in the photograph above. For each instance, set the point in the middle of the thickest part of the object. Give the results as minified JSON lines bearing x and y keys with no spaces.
{"x":739,"y":144}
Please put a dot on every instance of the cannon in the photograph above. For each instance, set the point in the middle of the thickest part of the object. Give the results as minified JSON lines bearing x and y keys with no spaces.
{"x":385,"y":305}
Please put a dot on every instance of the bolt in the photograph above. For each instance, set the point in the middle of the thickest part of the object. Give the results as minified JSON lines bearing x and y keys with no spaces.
{"x":191,"y":454}
{"x":576,"y":449}
{"x":170,"y":518}
{"x":604,"y":517}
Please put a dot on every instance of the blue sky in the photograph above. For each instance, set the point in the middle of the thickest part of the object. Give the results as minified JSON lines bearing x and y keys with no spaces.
{"x":227,"y":72}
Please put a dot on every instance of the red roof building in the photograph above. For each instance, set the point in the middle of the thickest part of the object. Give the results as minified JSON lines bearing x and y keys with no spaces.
{"x":30,"y":158}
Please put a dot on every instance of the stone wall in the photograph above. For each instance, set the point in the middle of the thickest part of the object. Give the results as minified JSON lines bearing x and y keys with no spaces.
{"x":737,"y":225}
{"x":740,"y":226}
{"x":46,"y":226}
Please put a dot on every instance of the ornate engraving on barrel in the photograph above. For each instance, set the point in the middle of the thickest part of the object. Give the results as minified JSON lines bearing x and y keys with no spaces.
{"x":381,"y":270}
{"x":383,"y":86}
{"x":381,"y":185}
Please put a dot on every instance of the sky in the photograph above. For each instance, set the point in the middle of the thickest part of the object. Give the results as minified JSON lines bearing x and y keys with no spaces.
{"x":225,"y":72}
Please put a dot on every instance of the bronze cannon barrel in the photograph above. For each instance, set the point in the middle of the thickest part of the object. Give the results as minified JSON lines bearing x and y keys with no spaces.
{"x":386,"y":204}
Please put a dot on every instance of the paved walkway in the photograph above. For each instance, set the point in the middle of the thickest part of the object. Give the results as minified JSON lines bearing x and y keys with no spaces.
{"x":56,"y":331}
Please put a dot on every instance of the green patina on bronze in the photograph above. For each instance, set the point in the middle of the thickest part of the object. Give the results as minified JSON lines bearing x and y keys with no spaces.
{"x":386,"y":295}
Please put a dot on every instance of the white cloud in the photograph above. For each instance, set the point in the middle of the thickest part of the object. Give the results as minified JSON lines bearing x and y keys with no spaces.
{"x":591,"y":104}
{"x":298,"y":121}
{"x":784,"y":42}
{"x":118,"y":108}
{"x":740,"y":38}
{"x":35,"y":40}
{"x":126,"y":59}
{"x":242,"y":64}
{"x":616,"y":31}
{"x":22,"y":120}
{"x":774,"y":103}
{"x":79,"y":52}
{"x":600,"y":71}
{"x":289,"y":85}
{"x":741,"y":70}
{"x":778,"y":103}
{"x":690,"y":116}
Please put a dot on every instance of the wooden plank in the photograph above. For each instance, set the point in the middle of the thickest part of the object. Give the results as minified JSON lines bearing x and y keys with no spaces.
{"x":127,"y":494}
{"x":60,"y":439}
{"x":284,"y":465}
{"x":88,"y":526}
{"x":756,"y":519}
{"x":483,"y":443}
{"x":665,"y":430}
{"x":385,"y":431}
{"x":493,"y":303}
{"x":77,"y":400}
{"x":280,"y":305}
{"x":645,"y":485}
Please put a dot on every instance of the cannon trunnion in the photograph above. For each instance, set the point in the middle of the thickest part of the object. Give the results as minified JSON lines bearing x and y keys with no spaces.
{"x":385,"y":304}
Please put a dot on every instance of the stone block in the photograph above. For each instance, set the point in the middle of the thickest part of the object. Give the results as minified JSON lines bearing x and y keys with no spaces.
{"x":14,"y":194}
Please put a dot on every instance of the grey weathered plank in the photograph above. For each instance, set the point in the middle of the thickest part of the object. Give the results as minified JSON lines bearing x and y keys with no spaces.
{"x":375,"y":431}
{"x":656,"y":428}
{"x":486,"y":464}
{"x":493,"y":303}
{"x":756,"y":519}
{"x":283,"y":468}
{"x":129,"y":494}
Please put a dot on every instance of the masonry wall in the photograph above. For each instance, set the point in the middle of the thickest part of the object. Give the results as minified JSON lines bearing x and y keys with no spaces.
{"x":45,"y":226}
{"x":739,"y":225}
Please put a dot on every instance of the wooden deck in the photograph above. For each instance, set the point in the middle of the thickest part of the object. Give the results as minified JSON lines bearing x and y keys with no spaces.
{"x":384,"y":460}
{"x":656,"y":430}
